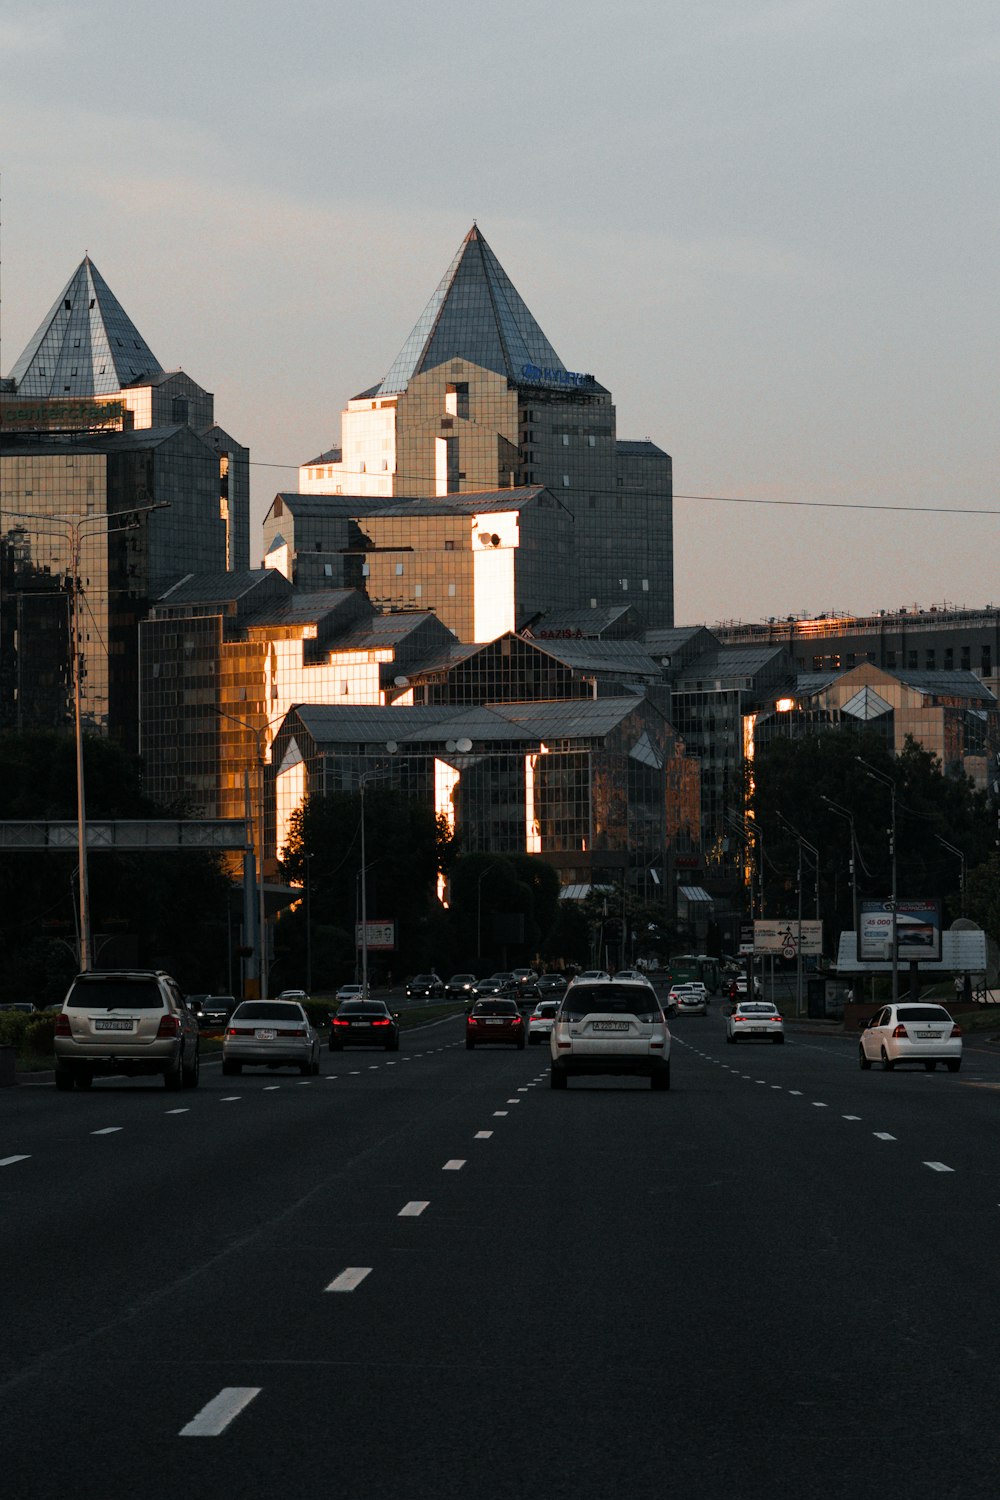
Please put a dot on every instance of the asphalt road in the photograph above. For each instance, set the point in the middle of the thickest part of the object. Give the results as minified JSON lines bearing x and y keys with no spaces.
{"x":425,"y":1274}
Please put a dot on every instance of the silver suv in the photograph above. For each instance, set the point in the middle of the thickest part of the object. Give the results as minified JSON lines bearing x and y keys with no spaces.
{"x":132,"y":1021}
{"x":610,"y":1026}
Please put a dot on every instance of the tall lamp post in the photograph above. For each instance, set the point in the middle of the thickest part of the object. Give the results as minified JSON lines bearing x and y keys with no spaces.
{"x":258,"y":731}
{"x":877,"y":775}
{"x":845,"y":812}
{"x":961,"y":876}
{"x":76,"y":528}
{"x":803,"y":843}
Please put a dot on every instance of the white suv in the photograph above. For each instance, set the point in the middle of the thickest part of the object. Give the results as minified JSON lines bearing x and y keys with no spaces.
{"x":610,"y":1026}
{"x":131,"y":1021}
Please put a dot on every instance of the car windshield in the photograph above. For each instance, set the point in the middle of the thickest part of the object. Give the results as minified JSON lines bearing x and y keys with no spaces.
{"x":114,"y":992}
{"x":463,"y":979}
{"x":922,"y":1013}
{"x":363,"y":1008}
{"x":424,"y":979}
{"x":268,"y":1010}
{"x":610,"y":999}
{"x":495,"y":1008}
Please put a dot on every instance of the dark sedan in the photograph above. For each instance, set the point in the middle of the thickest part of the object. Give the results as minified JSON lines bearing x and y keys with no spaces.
{"x":494,"y":1021}
{"x":425,"y":987}
{"x":364,"y":1023}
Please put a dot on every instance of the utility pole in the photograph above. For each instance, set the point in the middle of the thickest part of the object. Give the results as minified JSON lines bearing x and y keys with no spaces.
{"x":890,"y":783}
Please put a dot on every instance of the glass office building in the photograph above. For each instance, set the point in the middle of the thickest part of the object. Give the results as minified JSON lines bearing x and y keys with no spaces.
{"x":92,"y":427}
{"x":477,"y":400}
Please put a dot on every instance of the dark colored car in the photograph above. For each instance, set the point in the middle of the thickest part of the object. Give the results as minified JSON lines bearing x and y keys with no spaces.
{"x":216,"y":1009}
{"x":364,"y":1023}
{"x":550,"y":986}
{"x":460,"y":987}
{"x":494,"y":1021}
{"x":525,"y":983}
{"x":425,"y":987}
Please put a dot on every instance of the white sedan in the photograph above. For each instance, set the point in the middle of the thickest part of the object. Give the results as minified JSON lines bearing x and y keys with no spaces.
{"x":757,"y":1020}
{"x":688,"y":999}
{"x":917,"y":1033}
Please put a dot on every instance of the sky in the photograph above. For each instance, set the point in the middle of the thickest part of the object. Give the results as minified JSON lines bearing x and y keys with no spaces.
{"x":770,"y":227}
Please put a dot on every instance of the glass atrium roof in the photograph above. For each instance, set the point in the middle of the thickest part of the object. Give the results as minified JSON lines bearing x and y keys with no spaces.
{"x":86,"y":345}
{"x":476,"y":314}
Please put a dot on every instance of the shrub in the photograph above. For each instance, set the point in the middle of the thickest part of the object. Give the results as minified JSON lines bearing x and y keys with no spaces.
{"x":39,"y":1035}
{"x":13,"y":1024}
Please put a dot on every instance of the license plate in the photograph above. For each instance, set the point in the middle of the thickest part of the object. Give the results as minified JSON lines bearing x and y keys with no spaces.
{"x":362,"y":1023}
{"x":758,"y":1030}
{"x":112,"y":1025}
{"x":264,"y":1036}
{"x":928,"y":1036}
{"x":610,"y":1026}
{"x":494,"y":1023}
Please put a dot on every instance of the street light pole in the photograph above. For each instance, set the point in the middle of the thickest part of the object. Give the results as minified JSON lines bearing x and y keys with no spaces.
{"x":802,"y":843}
{"x":75,"y":528}
{"x":961,"y":876}
{"x":845,"y":812}
{"x":890,"y":783}
{"x":258,"y":732}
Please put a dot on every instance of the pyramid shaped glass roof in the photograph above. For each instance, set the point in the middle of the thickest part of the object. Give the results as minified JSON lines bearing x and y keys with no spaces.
{"x":86,"y":345}
{"x":476,"y":314}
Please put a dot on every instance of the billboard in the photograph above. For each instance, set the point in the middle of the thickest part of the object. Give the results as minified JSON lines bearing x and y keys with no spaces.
{"x":918,"y":932}
{"x":783,"y":938}
{"x":381,"y":936}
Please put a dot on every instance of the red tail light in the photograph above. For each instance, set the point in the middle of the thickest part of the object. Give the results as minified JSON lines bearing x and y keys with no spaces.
{"x":239,"y":1031}
{"x":383,"y":1022}
{"x":956,"y":1030}
{"x":337,"y":1021}
{"x":62,"y":1024}
{"x":899,"y":1030}
{"x":776,"y":1018}
{"x":169,"y":1026}
{"x":517,"y":1020}
{"x":738,"y":1017}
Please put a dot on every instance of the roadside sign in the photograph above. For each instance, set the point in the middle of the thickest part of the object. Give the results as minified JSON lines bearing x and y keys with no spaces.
{"x":783,"y":937}
{"x":381,"y":936}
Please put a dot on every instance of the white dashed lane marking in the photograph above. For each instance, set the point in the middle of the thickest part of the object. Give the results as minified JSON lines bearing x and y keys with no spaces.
{"x":500,"y":1114}
{"x":177,"y":1111}
{"x":272,"y":1088}
{"x":350,"y":1279}
{"x":454,"y":1165}
{"x":883,"y":1135}
{"x":818,"y":1104}
{"x":850,"y":1117}
{"x":230,"y":1098}
{"x":938,"y":1166}
{"x":484,"y":1135}
{"x":8,"y":1161}
{"x":108,"y":1130}
{"x":411,"y":1210}
{"x":796,"y":1092}
{"x":214,"y":1418}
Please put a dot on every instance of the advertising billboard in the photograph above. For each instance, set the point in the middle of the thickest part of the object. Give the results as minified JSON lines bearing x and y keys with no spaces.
{"x":782,"y":938}
{"x":381,"y":936}
{"x":918,"y":932}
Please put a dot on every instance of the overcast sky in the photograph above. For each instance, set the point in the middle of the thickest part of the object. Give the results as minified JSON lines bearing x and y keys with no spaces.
{"x":770,"y":227}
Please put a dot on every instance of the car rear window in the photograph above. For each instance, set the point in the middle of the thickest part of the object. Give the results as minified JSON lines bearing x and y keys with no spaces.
{"x":548,"y":1008}
{"x":610,"y":999}
{"x":264,"y":1010}
{"x":495,"y":1008}
{"x":758,"y":1008}
{"x":115,"y":993}
{"x":922,"y":1013}
{"x":362,"y":1008}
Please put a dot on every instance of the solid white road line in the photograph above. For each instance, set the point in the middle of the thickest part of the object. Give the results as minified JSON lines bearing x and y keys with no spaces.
{"x":411,"y":1210}
{"x":883,"y":1135}
{"x":454,"y":1165}
{"x":217,"y":1415}
{"x":938,"y":1166}
{"x":8,"y":1161}
{"x":108,"y":1130}
{"x":481,"y":1135}
{"x":350,"y":1279}
{"x":176,"y":1111}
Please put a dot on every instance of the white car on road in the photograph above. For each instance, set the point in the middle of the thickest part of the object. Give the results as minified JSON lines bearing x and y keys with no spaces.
{"x":610,"y":1026}
{"x":911,"y":1033}
{"x":755,"y":1020}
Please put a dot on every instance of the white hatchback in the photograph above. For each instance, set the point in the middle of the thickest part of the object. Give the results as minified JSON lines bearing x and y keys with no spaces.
{"x":917,"y":1033}
{"x":610,"y":1026}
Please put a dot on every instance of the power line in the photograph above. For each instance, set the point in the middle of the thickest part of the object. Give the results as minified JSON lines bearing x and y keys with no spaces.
{"x":917,"y":510}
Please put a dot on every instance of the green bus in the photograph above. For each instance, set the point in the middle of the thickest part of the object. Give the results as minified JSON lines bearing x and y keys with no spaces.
{"x":688,"y":966}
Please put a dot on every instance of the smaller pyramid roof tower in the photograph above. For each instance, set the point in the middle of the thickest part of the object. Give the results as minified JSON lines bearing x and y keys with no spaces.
{"x":86,"y":345}
{"x":476,"y":314}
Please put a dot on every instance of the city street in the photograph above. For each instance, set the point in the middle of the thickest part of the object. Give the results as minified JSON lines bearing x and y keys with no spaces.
{"x":425,"y":1274}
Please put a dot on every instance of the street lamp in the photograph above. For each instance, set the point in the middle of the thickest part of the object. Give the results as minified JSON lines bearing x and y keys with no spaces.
{"x":258,"y":731}
{"x":961,"y":877}
{"x":845,"y":812}
{"x":76,"y":528}
{"x":803,"y":843}
{"x":890,"y":783}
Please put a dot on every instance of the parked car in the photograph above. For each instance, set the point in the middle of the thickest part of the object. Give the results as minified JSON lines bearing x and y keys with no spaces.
{"x":610,"y":1026}
{"x":758,"y":1020}
{"x":491,"y":1021}
{"x":270,"y":1034}
{"x":911,"y":1033}
{"x":425,"y":987}
{"x":131,"y":1021}
{"x":27,"y":1007}
{"x":541,"y":1020}
{"x":460,"y":987}
{"x":364,"y":1023}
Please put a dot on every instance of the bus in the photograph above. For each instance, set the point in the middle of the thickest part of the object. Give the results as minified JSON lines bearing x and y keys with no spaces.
{"x":688,"y":966}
